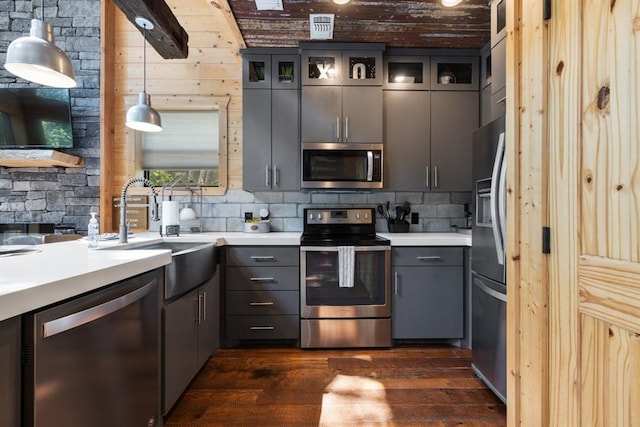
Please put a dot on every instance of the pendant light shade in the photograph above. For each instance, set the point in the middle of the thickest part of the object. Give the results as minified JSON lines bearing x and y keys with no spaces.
{"x":142,"y":116}
{"x":36,"y":58}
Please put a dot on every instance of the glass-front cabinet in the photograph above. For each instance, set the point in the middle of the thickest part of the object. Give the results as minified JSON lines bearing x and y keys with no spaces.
{"x":271,"y":71}
{"x":342,"y":67}
{"x":454,"y":73}
{"x":406,"y":72}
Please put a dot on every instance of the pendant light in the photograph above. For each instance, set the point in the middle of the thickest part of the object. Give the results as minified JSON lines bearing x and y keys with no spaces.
{"x":36,"y":57}
{"x":142,"y":116}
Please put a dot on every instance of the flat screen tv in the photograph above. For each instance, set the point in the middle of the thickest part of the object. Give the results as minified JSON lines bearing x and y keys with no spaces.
{"x":35,"y":118}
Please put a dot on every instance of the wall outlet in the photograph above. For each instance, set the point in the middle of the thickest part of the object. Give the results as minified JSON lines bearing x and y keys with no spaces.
{"x":415,"y":219}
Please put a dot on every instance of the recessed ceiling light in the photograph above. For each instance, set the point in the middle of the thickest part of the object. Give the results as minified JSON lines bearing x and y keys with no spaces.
{"x":269,"y":5}
{"x":450,"y":3}
{"x":341,"y":1}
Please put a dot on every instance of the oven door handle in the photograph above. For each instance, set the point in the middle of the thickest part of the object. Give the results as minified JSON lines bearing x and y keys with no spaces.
{"x":335,"y":248}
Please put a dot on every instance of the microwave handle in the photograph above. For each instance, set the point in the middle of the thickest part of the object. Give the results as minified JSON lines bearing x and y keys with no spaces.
{"x":369,"y":166}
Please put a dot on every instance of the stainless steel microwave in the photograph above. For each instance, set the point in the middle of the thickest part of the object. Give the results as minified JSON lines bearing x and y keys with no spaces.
{"x":341,"y":166}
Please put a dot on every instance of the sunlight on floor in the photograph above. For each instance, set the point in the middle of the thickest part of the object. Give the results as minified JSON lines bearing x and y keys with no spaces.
{"x":354,"y":400}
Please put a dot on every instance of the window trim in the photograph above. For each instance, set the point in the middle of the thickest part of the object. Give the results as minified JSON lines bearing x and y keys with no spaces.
{"x":187,"y":103}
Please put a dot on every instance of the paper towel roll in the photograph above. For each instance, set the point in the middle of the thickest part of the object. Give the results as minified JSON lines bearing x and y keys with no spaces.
{"x":170,"y":215}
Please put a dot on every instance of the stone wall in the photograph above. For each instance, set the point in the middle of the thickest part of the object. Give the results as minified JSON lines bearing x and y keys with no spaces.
{"x":57,"y":194}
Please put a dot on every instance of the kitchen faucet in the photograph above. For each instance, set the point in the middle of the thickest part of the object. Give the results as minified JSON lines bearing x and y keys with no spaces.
{"x":124,"y":227}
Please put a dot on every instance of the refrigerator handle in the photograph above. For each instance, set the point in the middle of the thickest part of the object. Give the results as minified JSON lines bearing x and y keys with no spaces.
{"x":502,"y":203}
{"x":495,"y":184}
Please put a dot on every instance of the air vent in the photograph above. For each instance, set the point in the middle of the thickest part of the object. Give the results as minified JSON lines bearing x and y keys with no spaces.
{"x":269,"y":4}
{"x":321,"y":26}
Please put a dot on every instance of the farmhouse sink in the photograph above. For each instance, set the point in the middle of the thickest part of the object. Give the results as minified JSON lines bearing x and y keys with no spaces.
{"x":192,"y":263}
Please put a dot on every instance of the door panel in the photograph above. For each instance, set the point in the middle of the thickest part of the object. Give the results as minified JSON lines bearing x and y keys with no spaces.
{"x":594,"y":289}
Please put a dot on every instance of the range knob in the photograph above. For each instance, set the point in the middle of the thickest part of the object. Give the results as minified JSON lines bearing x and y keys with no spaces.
{"x":366,"y":216}
{"x":319,"y":217}
{"x":311,"y":216}
{"x":357,"y":215}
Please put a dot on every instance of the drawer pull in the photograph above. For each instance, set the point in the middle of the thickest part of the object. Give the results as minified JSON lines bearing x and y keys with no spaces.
{"x":429,"y":258}
{"x":262,"y":279}
{"x":261,"y":328}
{"x":263,"y":258}
{"x":260,"y":303}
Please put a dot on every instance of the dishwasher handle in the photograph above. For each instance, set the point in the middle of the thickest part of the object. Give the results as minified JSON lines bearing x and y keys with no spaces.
{"x":70,"y":321}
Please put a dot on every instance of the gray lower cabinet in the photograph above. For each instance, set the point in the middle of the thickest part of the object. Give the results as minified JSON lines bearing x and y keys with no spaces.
{"x":428,"y":144}
{"x":428,"y":293}
{"x":10,"y":368}
{"x":191,"y":336}
{"x":262,"y":293}
{"x":271,"y":139}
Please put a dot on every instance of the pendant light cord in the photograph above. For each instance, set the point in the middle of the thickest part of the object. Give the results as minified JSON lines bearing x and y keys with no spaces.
{"x":144,"y":59}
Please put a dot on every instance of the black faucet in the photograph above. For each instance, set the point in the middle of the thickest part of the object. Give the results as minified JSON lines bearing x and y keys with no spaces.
{"x":123,"y":206}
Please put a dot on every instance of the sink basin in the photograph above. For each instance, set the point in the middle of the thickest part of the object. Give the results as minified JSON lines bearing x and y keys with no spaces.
{"x":192,"y":263}
{"x":175,"y":247}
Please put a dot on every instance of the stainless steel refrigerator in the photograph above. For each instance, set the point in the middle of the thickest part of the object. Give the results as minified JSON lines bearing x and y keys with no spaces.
{"x":489,"y":291}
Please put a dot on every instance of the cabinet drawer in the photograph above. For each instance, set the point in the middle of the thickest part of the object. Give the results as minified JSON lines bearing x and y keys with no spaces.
{"x":260,"y":278}
{"x":263,"y":302}
{"x":263,"y":255}
{"x":263,"y":327}
{"x":426,"y":256}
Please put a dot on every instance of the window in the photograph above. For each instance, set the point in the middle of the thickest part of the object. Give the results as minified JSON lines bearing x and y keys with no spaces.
{"x":187,"y":144}
{"x":193,"y":142}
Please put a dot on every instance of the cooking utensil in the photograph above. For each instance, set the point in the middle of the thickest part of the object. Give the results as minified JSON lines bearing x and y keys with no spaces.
{"x":399,"y":211}
{"x":382,"y":212}
{"x":406,"y":210}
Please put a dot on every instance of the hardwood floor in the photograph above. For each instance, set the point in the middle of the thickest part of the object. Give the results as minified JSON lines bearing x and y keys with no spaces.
{"x":355,"y":387}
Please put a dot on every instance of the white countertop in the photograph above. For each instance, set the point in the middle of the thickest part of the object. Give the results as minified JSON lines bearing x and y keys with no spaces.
{"x":63,"y":270}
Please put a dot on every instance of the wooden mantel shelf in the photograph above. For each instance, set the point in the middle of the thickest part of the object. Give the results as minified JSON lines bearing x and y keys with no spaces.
{"x":38,"y":159}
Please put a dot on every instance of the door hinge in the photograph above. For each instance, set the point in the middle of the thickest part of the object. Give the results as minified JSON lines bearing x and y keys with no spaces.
{"x":546,"y":240}
{"x":546,"y":10}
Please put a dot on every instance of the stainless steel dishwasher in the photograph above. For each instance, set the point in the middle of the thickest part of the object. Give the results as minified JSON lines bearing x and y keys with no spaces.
{"x":95,"y":360}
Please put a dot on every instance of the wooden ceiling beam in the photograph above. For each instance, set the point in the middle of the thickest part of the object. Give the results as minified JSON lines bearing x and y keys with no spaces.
{"x":167,"y":37}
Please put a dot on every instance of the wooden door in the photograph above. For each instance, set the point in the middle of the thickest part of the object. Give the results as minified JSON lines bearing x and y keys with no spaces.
{"x":595,"y":291}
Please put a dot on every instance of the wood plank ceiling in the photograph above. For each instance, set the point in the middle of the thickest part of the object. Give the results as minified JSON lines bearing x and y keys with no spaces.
{"x":397,"y":23}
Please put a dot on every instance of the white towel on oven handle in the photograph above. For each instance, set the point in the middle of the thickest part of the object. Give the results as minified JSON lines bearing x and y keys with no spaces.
{"x":346,"y":266}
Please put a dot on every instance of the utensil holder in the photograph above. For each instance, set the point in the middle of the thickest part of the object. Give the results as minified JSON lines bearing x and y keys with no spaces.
{"x":398,"y":226}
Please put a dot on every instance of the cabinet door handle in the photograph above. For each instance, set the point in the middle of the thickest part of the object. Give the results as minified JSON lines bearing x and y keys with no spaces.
{"x":199,"y":309}
{"x":266,"y":175}
{"x":502,"y":100}
{"x":261,"y":328}
{"x":261,"y":304}
{"x":346,"y":129}
{"x":275,"y":176}
{"x":429,"y":258}
{"x":435,"y":177}
{"x":263,"y":258}
{"x":396,"y":282}
{"x":262,"y":279}
{"x":426,"y":177}
{"x":337,"y":129}
{"x":204,"y":306}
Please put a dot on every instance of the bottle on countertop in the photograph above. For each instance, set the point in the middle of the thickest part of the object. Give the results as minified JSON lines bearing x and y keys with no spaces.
{"x":93,"y":232}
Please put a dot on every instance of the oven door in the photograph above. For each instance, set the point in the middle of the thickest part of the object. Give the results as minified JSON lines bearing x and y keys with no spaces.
{"x":321,"y":295}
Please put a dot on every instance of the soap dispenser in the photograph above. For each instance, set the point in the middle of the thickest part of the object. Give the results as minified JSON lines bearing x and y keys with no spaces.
{"x":93,"y":232}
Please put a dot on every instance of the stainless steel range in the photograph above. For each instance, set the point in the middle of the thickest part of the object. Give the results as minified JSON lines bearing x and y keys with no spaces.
{"x":345,"y":272}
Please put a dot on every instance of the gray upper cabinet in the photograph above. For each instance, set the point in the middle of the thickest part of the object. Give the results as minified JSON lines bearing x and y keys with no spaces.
{"x":498,"y":66}
{"x":407,"y":139}
{"x":428,"y":138}
{"x":454,"y":118}
{"x":342,"y":114}
{"x":498,"y":21}
{"x":342,"y":93}
{"x":271,"y":123}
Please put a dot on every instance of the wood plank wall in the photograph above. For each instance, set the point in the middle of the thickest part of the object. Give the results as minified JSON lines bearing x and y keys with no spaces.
{"x":213,"y":67}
